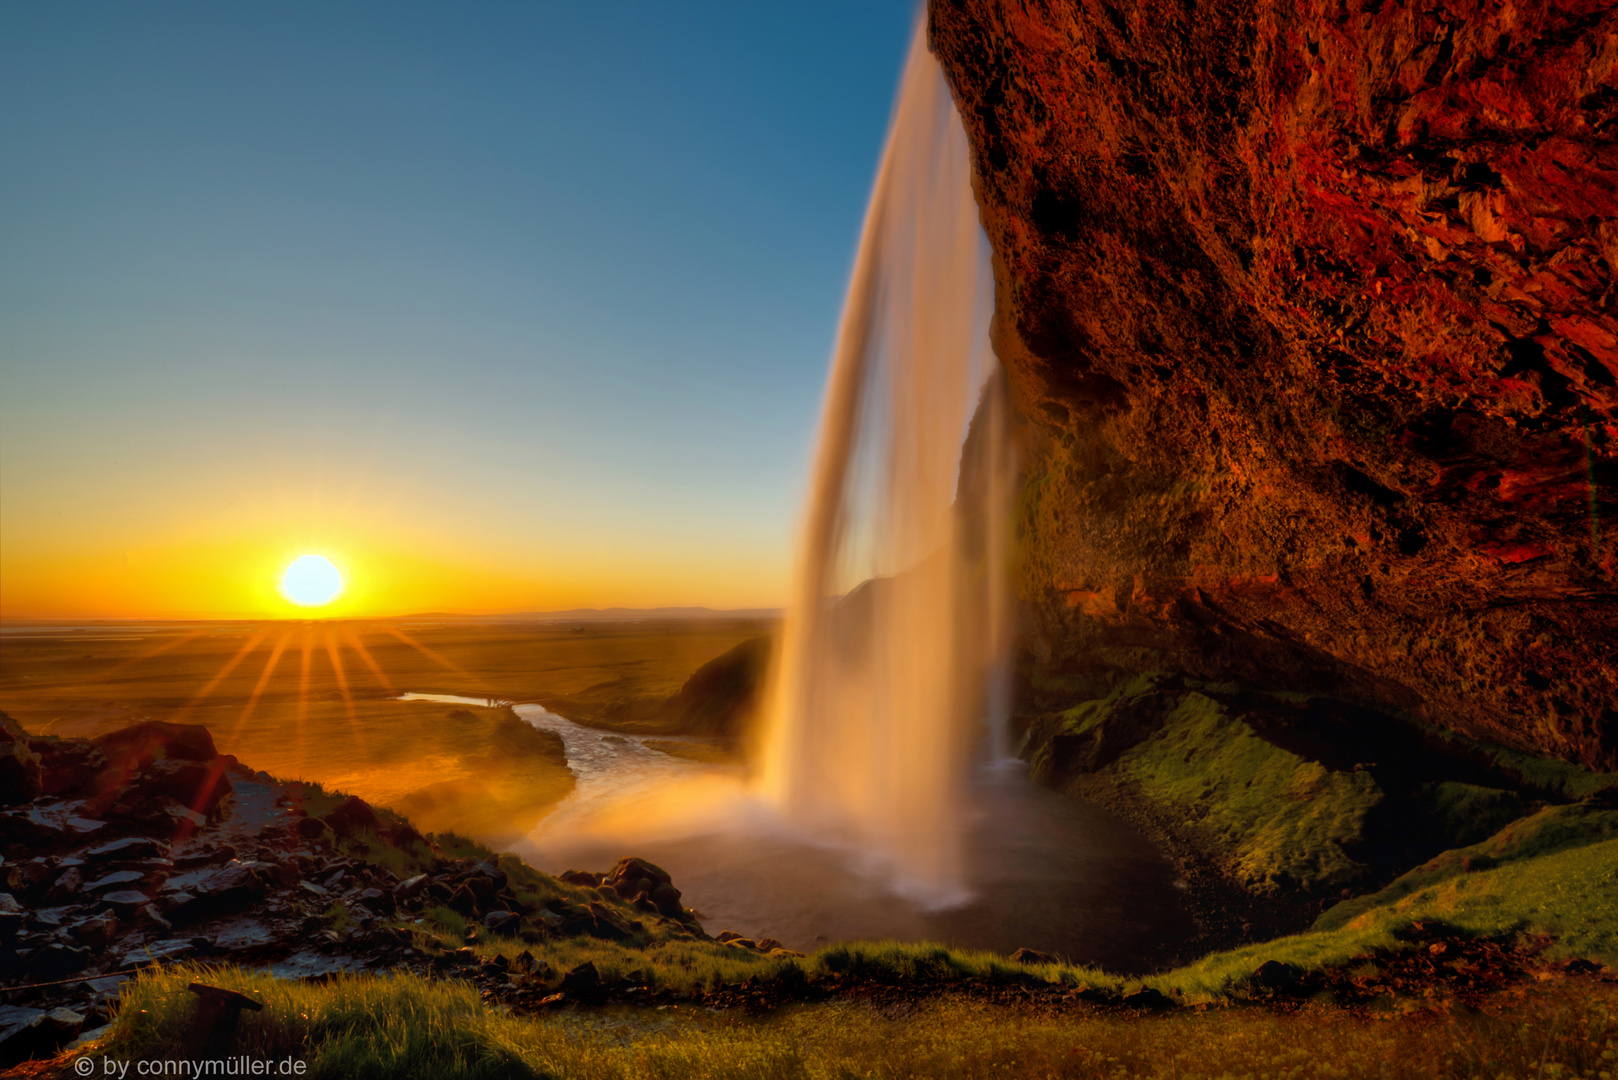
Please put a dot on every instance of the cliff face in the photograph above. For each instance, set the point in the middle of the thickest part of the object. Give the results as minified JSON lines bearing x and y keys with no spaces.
{"x":1309,"y":309}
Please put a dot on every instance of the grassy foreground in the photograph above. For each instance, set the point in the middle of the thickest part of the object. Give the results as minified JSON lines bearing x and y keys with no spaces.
{"x":925,"y":1011}
{"x":402,"y":1026}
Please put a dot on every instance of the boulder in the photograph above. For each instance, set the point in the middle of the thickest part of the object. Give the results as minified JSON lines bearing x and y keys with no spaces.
{"x":29,"y":880}
{"x":464,"y":901}
{"x":229,"y":888}
{"x":581,"y":877}
{"x":167,"y":949}
{"x":483,"y":887}
{"x":1032,"y":956}
{"x":130,"y":847}
{"x":23,"y":1034}
{"x":502,"y":921}
{"x":666,"y":899}
{"x":312,"y":829}
{"x":379,"y":901}
{"x":65,"y":889}
{"x":117,"y":880}
{"x":647,"y":885}
{"x":401,"y":834}
{"x":1147,"y":998}
{"x":195,"y":784}
{"x":582,"y":982}
{"x":352,"y":817}
{"x":609,"y":925}
{"x":148,"y":915}
{"x":183,"y":820}
{"x":12,"y":915}
{"x":411,"y":887}
{"x":138,"y":745}
{"x":127,"y":901}
{"x":98,"y":932}
{"x":56,"y":960}
{"x":1275,"y":976}
{"x":22,"y":834}
{"x":627,"y":877}
{"x":66,"y":766}
{"x":204,"y":856}
{"x":282,"y":873}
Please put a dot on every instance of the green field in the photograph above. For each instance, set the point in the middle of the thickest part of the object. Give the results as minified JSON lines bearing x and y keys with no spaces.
{"x":371,"y":1027}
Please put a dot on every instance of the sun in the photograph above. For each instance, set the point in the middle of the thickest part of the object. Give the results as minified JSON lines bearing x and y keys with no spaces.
{"x":311,"y":581}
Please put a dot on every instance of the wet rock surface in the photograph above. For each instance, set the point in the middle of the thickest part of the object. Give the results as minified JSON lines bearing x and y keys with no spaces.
{"x":1308,"y":312}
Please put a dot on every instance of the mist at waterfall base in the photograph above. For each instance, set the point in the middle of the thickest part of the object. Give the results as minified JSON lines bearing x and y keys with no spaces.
{"x":882,"y":805}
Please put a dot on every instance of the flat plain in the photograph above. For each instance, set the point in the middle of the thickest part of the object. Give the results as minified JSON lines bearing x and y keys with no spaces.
{"x":317,"y":700}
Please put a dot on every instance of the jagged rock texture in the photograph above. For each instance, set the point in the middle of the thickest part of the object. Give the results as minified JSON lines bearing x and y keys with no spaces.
{"x":1309,"y":311}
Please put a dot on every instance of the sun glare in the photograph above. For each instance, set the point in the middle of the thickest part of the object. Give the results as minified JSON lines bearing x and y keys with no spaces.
{"x":311,"y":581}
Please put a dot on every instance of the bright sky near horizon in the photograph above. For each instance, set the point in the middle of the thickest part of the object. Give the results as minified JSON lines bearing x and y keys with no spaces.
{"x":499,"y":306}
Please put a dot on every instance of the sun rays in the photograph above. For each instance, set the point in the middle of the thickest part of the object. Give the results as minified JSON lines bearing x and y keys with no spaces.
{"x":342,"y":687}
{"x":230,"y":665}
{"x":435,"y":657}
{"x":258,"y":688}
{"x":327,"y":654}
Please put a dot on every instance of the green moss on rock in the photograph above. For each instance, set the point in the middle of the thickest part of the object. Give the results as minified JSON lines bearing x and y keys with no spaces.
{"x":1275,"y":819}
{"x":1282,"y":820}
{"x":1552,"y":830}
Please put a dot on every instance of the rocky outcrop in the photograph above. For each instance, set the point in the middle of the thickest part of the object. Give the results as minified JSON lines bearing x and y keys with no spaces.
{"x":1308,"y":310}
{"x":721,"y":697}
{"x":192,"y":856}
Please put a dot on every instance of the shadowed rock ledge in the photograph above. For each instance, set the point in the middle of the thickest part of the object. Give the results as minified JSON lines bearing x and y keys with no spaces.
{"x":1308,"y":312}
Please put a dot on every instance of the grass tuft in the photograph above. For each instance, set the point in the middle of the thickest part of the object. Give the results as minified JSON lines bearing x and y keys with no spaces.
{"x":399,"y":1026}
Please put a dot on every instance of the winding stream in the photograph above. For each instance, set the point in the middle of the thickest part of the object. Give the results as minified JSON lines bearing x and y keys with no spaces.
{"x":607,"y":767}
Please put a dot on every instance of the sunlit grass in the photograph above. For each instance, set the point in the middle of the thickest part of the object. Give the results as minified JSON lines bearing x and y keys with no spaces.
{"x":406,"y":1026}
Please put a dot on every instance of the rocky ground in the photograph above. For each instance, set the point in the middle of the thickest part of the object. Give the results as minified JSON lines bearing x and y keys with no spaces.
{"x":146,"y":846}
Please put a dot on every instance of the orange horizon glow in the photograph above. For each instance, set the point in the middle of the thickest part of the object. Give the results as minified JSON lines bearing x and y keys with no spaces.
{"x":184,"y":543}
{"x":242,"y":581}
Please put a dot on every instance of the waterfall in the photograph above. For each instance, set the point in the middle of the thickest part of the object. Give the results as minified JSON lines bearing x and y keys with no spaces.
{"x":893,"y":666}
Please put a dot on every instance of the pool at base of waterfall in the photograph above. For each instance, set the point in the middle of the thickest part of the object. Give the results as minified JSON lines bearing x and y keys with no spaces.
{"x":1042,"y":871}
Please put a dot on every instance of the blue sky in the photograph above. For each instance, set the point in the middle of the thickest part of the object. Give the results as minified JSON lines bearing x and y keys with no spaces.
{"x":527,"y":290}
